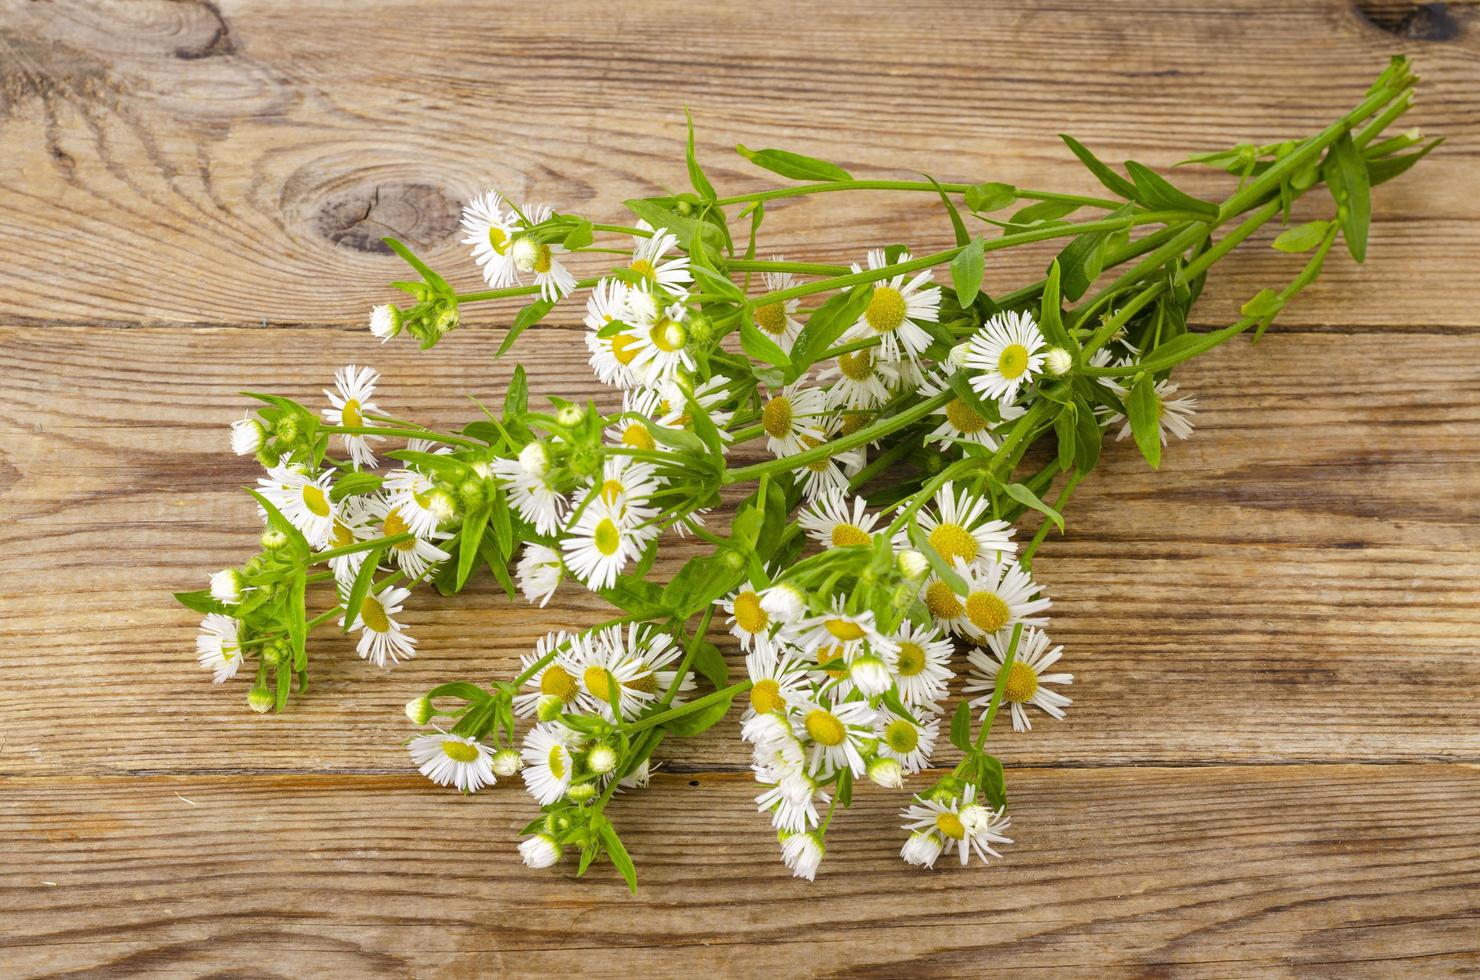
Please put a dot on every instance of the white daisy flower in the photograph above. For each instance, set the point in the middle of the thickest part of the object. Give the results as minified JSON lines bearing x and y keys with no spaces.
{"x":304,"y":500}
{"x":647,"y":260}
{"x":612,"y":356}
{"x":599,"y":545}
{"x":628,"y":485}
{"x":838,"y":627}
{"x":784,"y":603}
{"x":1026,"y":680}
{"x":909,"y":743}
{"x":490,"y":230}
{"x":415,"y":555}
{"x":834,"y":736}
{"x":218,"y":647}
{"x":922,"y":666}
{"x":963,"y":826}
{"x":775,"y":320}
{"x":383,"y":639}
{"x":351,"y":400}
{"x":791,"y":797}
{"x":748,"y":622}
{"x":555,"y":679}
{"x":672,"y":409}
{"x":960,"y":528}
{"x":896,"y":310}
{"x":791,"y":416}
{"x":960,"y":422}
{"x":831,"y":473}
{"x":553,"y":278}
{"x":547,"y":762}
{"x":662,"y":345}
{"x":922,"y":848}
{"x":802,"y":853}
{"x":1173,"y":415}
{"x":385,"y":321}
{"x":859,"y":380}
{"x":998,"y":594}
{"x":227,"y":586}
{"x":778,"y":681}
{"x":539,"y":572}
{"x":1006,"y":353}
{"x":453,"y":760}
{"x":415,"y":497}
{"x":247,"y":436}
{"x":531,"y":493}
{"x":632,"y":662}
{"x":630,"y":431}
{"x":830,"y":521}
{"x":539,"y":851}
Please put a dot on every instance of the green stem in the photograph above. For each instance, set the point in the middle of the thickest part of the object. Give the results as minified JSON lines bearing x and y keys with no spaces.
{"x":663,"y":717}
{"x":511,"y":291}
{"x":358,"y":546}
{"x":826,"y":187}
{"x":999,"y":687}
{"x":368,"y":430}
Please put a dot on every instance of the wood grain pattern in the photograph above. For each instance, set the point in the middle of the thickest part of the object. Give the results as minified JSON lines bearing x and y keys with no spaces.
{"x":1270,"y":764}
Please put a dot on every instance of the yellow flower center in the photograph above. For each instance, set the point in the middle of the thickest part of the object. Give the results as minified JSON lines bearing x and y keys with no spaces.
{"x":1022,"y":683}
{"x":941,"y":601}
{"x":847,"y":535}
{"x":597,"y":682}
{"x":765,"y":696}
{"x":645,"y":269}
{"x":542,"y":258}
{"x":624,"y":348}
{"x":395,"y":524}
{"x":606,"y":537}
{"x":637,"y":436}
{"x":885,"y":310}
{"x":963,"y":417}
{"x":315,"y":501}
{"x":749,"y":615}
{"x":952,"y":541}
{"x":901,"y":736}
{"x":858,"y":366}
{"x":667,"y":335}
{"x":646,"y":683}
{"x":341,"y":536}
{"x":951,"y":826}
{"x":372,"y":614}
{"x":556,"y":680}
{"x":776,"y":417}
{"x":826,"y":655}
{"x":350,"y":413}
{"x":1013,"y":361}
{"x":819,"y":465}
{"x":911,"y":659}
{"x":986,"y":611}
{"x":844,"y":630}
{"x":825,"y":728}
{"x":557,"y":761}
{"x":853,"y":421}
{"x":612,"y":489}
{"x":771,"y":318}
{"x":459,"y":751}
{"x":498,"y":240}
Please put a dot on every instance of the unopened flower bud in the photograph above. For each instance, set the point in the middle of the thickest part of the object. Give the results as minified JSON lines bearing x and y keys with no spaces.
{"x":247,"y":436}
{"x":419,"y":710}
{"x":286,"y":429}
{"x":385,"y":321}
{"x":226,"y":586}
{"x":274,"y":653}
{"x":260,"y":700}
{"x":446,"y":321}
{"x":506,"y":762}
{"x":869,"y":674}
{"x":539,"y":851}
{"x":440,"y":502}
{"x":913,"y":565}
{"x":602,"y":759}
{"x":581,"y":793}
{"x":958,"y":354}
{"x":673,"y":335}
{"x":784,"y":602}
{"x":273,"y":538}
{"x":570,"y":416}
{"x":470,"y":492}
{"x":886,"y":772}
{"x":1058,"y":361}
{"x":526,"y":253}
{"x":535,"y":459}
{"x":701,"y":328}
{"x":549,"y":707}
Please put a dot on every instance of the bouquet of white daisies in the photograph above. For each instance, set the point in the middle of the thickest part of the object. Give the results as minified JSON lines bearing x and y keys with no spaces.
{"x":884,"y":426}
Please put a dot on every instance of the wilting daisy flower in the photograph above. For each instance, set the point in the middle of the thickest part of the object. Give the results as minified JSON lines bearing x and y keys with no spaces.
{"x":556,"y":678}
{"x":539,"y":572}
{"x":1006,"y":353}
{"x":383,"y":639}
{"x":831,"y":473}
{"x":547,"y":761}
{"x":611,"y":356}
{"x":959,"y":526}
{"x":490,"y":230}
{"x":662,"y":345}
{"x":599,"y":545}
{"x":859,"y":380}
{"x":911,"y":744}
{"x":218,"y":647}
{"x":922,"y":666}
{"x":415,"y":555}
{"x":421,"y":505}
{"x":778,"y":680}
{"x":791,"y":797}
{"x":791,"y":415}
{"x":963,"y":826}
{"x":1026,"y":679}
{"x":998,"y":594}
{"x":453,"y":760}
{"x":529,"y":256}
{"x":834,"y":735}
{"x":830,"y":521}
{"x":304,"y":500}
{"x":247,"y":436}
{"x":896,"y":310}
{"x":647,"y":260}
{"x":775,"y":320}
{"x":351,"y":401}
{"x":1173,"y":415}
{"x":531,"y":492}
{"x":748,"y":622}
{"x":802,"y":853}
{"x":960,"y":422}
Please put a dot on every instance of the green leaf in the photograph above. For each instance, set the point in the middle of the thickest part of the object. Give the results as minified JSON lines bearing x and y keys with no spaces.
{"x":1028,"y":498}
{"x":1302,"y":238}
{"x":944,"y":572}
{"x":473,"y":525}
{"x":990,"y":196}
{"x":200,"y":601}
{"x":354,"y":484}
{"x":991,"y":781}
{"x":961,"y":726}
{"x":1050,"y":313}
{"x":966,"y":271}
{"x":793,"y":165}
{"x":1346,"y":175}
{"x":620,"y":859}
{"x":1266,"y":302}
{"x":700,"y":721}
{"x":1065,"y":427}
{"x":433,"y":280}
{"x":1087,"y":436}
{"x":1044,"y":211}
{"x":845,"y":788}
{"x":826,"y":324}
{"x":526,"y":318}
{"x":759,"y":346}
{"x":1144,"y":411}
{"x":516,"y":399}
{"x":580,"y":235}
{"x":298,"y":618}
{"x":956,"y":223}
{"x":360,"y":587}
{"x":696,"y":173}
{"x":687,"y":229}
{"x":716,"y":282}
{"x":1112,"y":180}
{"x":711,"y":663}
{"x":276,"y":519}
{"x":1157,"y":193}
{"x":1384,"y":169}
{"x":284,"y":678}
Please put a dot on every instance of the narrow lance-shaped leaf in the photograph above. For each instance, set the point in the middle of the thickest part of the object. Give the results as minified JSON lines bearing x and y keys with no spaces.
{"x":966,"y":271}
{"x":959,"y":226}
{"x":360,"y":587}
{"x":1144,"y":408}
{"x":526,"y":318}
{"x":793,"y":165}
{"x":696,"y":173}
{"x":1113,"y":181}
{"x":1157,"y":192}
{"x":1346,"y":175}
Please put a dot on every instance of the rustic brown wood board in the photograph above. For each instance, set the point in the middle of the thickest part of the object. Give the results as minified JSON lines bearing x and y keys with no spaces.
{"x":1270,"y":763}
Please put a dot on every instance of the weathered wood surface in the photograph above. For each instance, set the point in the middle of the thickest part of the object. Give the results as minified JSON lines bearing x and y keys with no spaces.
{"x":1269,"y":765}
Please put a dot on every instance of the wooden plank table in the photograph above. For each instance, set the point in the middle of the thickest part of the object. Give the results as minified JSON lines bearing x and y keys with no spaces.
{"x":1270,"y":763}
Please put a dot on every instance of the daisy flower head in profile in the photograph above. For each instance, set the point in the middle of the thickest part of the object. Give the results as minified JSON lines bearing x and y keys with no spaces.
{"x":600,"y":543}
{"x":960,"y":825}
{"x":648,"y":260}
{"x":218,"y":646}
{"x":611,"y":355}
{"x":625,"y":667}
{"x":674,"y":409}
{"x":453,"y":760}
{"x":383,"y":640}
{"x":896,"y":310}
{"x":639,"y":406}
{"x":998,"y":594}
{"x":802,"y":853}
{"x":1026,"y":684}
{"x":790,"y":797}
{"x":777,"y":320}
{"x":834,"y":520}
{"x":541,"y":258}
{"x":539,"y":572}
{"x":838,"y":627}
{"x":748,"y":621}
{"x":922,"y":666}
{"x":548,"y":764}
{"x":960,"y":422}
{"x":490,"y":230}
{"x":303,"y":499}
{"x":792,"y":415}
{"x":353,"y":523}
{"x":526,"y":480}
{"x":413,"y":556}
{"x":385,"y":321}
{"x":1173,"y":415}
{"x":247,"y":436}
{"x":1005,"y":354}
{"x":958,"y":524}
{"x":350,"y":401}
